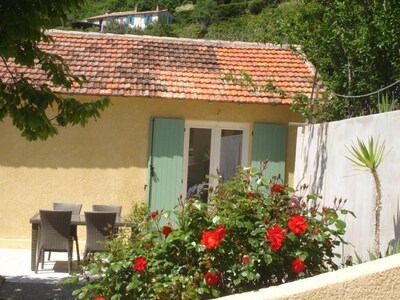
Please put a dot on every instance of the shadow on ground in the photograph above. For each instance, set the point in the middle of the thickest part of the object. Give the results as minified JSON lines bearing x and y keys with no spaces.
{"x":36,"y":289}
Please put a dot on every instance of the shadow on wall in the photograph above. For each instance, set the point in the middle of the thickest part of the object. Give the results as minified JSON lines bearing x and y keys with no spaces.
{"x":317,"y":137}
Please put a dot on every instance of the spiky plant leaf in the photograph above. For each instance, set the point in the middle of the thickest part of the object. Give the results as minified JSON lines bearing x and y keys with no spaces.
{"x":367,"y":156}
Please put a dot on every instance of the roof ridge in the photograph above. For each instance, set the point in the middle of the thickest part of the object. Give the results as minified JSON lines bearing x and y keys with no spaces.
{"x":203,"y":42}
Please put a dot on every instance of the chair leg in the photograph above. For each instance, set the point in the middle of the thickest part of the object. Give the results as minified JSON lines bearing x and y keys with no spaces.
{"x":70,"y":249}
{"x":42,"y":258}
{"x":38,"y":260}
{"x":77,"y":248}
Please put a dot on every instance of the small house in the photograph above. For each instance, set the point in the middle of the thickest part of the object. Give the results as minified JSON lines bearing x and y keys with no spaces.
{"x":133,"y":19}
{"x":180,"y":110}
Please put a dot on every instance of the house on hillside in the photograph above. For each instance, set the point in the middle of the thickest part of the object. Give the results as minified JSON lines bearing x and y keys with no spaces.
{"x":174,"y":119}
{"x":134,"y":18}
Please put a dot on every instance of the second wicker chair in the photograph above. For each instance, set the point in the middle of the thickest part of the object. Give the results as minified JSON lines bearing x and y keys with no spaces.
{"x":107,"y":207}
{"x":99,"y":228}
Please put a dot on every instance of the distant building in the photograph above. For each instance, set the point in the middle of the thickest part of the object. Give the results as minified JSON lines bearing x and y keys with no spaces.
{"x":134,"y":18}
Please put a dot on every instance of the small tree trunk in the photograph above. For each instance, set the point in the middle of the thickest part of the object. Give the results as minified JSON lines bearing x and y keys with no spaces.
{"x":378,"y":208}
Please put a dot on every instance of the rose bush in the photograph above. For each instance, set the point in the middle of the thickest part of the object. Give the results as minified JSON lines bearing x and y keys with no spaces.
{"x":252,"y":233}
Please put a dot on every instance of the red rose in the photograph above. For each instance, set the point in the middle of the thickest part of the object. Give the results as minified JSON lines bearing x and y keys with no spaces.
{"x":140,"y":264}
{"x":276,"y":236}
{"x":297,"y":224}
{"x":297,"y":265}
{"x":210,"y":239}
{"x":221,"y":231}
{"x":246,"y":259}
{"x":251,"y":195}
{"x":99,"y":298}
{"x":212,"y":277}
{"x":316,"y":230}
{"x":277,"y":187}
{"x":154,"y":214}
{"x":166,"y":231}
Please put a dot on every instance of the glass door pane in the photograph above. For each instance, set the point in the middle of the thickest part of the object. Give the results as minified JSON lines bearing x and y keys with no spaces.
{"x":231,"y":152}
{"x":199,"y":161}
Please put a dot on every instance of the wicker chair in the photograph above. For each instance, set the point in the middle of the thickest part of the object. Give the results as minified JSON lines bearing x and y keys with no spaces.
{"x":105,"y":207}
{"x":76,"y":210}
{"x":99,"y":227}
{"x":54,"y":235}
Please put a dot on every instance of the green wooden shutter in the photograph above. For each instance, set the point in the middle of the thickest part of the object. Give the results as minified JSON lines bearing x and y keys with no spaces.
{"x":165,"y":163}
{"x":269,"y":142}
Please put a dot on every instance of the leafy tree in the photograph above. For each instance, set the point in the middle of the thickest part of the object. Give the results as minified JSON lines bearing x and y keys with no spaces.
{"x":354,"y":44}
{"x":34,"y":108}
{"x":205,"y":13}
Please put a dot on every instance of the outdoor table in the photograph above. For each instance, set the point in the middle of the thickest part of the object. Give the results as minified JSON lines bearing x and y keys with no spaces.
{"x":78,"y":220}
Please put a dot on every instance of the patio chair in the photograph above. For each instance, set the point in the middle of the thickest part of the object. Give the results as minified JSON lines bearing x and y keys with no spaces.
{"x":109,"y":208}
{"x":99,"y":227}
{"x":76,"y":210}
{"x":54,"y":235}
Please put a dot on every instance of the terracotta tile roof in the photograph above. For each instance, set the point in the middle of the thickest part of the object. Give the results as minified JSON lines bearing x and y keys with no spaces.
{"x":137,"y":66}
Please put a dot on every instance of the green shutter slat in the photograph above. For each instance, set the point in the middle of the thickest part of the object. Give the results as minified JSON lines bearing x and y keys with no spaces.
{"x":269,"y":142}
{"x":166,"y":155}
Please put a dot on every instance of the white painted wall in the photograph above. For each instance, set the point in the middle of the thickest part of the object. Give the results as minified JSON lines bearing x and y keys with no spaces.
{"x":321,"y":163}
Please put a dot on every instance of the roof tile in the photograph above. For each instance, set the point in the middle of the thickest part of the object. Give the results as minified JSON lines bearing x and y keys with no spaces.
{"x":127,"y":65}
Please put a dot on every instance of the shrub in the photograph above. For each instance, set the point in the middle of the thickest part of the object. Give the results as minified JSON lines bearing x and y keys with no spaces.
{"x":249,"y":235}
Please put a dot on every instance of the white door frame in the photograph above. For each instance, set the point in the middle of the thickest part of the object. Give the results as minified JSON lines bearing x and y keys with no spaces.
{"x":216,"y":128}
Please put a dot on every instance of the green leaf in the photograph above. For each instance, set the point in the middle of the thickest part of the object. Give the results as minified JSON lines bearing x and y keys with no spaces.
{"x":341,"y":225}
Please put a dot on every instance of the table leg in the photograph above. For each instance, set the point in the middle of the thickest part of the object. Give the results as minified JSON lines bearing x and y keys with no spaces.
{"x":34,"y":240}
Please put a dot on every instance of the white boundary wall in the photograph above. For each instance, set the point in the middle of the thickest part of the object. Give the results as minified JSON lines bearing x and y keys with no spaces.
{"x":321,"y":163}
{"x":375,"y":280}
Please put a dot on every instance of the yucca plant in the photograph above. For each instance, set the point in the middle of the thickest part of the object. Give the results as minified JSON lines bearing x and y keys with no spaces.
{"x":368,"y":158}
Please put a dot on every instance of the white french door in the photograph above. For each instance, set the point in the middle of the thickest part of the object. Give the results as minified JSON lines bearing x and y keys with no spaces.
{"x":212,"y":148}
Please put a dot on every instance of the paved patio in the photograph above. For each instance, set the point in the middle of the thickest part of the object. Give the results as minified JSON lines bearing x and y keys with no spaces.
{"x":22,"y":283}
{"x":15,"y":266}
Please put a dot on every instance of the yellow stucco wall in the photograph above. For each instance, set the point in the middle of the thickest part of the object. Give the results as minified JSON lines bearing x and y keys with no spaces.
{"x":105,"y":162}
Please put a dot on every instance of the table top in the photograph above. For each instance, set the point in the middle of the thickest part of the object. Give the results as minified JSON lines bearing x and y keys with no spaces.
{"x":80,"y":220}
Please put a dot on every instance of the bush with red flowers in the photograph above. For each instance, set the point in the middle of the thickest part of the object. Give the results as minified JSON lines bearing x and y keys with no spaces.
{"x":249,"y":235}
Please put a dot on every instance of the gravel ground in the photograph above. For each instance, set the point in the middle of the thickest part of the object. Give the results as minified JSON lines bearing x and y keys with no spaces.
{"x":36,"y":290}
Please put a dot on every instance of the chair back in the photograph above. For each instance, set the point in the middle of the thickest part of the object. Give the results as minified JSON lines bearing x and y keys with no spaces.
{"x":74,"y":207}
{"x":55,"y":229}
{"x":110,"y":208}
{"x":99,"y":226}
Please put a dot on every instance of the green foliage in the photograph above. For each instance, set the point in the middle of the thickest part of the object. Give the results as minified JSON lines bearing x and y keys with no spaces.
{"x":120,"y":28}
{"x":233,"y":10}
{"x":205,"y":13}
{"x":390,"y":250}
{"x":138,"y":213}
{"x":354,"y":43}
{"x":239,"y":257}
{"x":384,"y":103}
{"x":160,"y":28}
{"x":35,"y":109}
{"x":322,"y":109}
